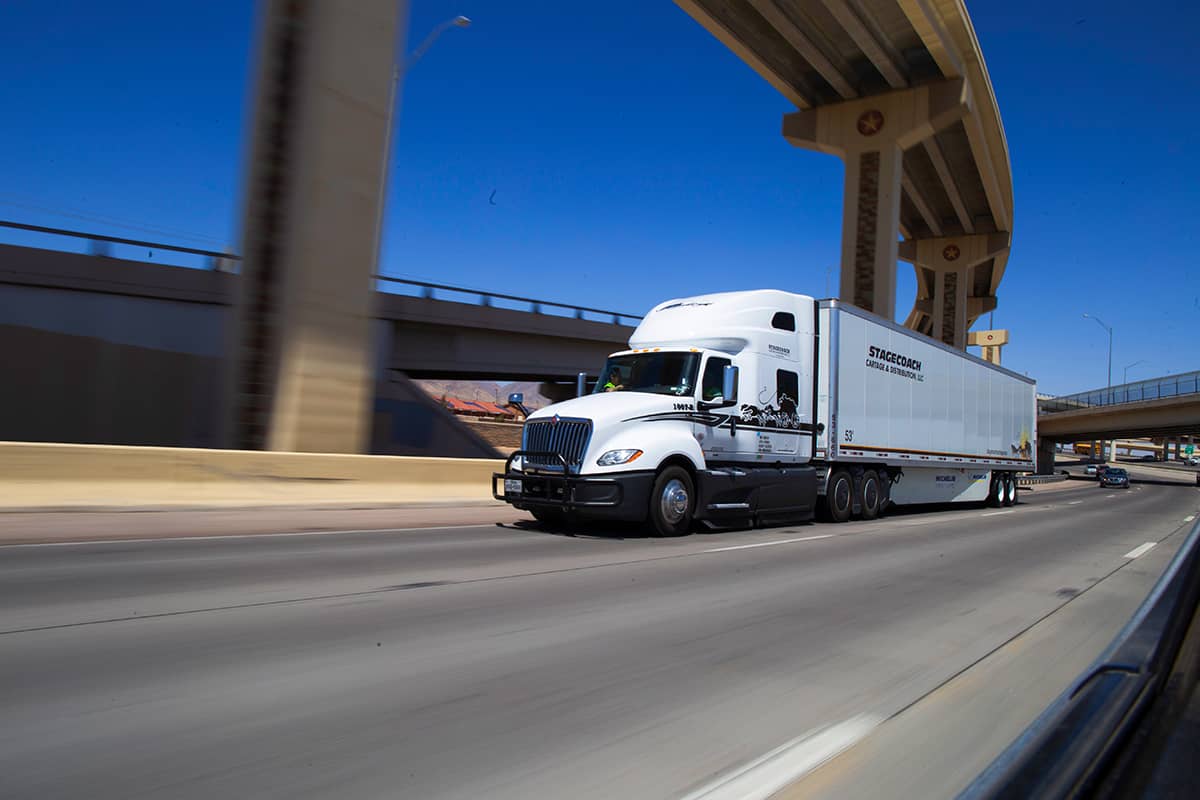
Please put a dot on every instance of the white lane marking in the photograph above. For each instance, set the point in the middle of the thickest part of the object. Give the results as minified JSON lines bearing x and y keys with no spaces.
{"x":1189,"y":518}
{"x":285,"y":534}
{"x":1074,"y":502}
{"x":1108,"y":496}
{"x":997,"y":513}
{"x":1141,"y":550}
{"x":767,"y":544}
{"x":769,"y":773}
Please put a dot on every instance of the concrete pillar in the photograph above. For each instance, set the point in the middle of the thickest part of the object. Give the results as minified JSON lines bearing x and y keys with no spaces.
{"x":1045,"y":457}
{"x":870,"y":135}
{"x":990,"y":342}
{"x":951,"y":259}
{"x":301,"y":338}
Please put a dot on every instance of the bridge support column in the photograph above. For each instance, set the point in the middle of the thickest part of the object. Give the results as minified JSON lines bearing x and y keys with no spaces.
{"x":302,"y":366}
{"x":1045,"y":457}
{"x":951,"y":259}
{"x":870,"y":135}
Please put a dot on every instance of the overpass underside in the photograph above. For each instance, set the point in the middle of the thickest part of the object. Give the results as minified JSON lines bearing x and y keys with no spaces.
{"x":1171,"y":416}
{"x":1162,"y":418}
{"x":898,"y":89}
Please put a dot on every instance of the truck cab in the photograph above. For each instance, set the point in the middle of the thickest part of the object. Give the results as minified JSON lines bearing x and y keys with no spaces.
{"x":707,"y":416}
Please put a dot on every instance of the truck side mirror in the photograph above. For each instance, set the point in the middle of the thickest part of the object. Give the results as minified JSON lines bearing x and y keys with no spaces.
{"x":728,"y":396}
{"x":729,"y":381}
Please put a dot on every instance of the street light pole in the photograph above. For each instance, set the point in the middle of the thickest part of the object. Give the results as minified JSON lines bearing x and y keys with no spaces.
{"x":1125,"y":373}
{"x":1108,"y":328}
{"x":398,"y":70}
{"x":1100,"y":322}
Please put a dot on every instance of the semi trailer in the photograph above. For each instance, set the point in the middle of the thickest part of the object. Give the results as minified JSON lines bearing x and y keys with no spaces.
{"x":765,"y":407}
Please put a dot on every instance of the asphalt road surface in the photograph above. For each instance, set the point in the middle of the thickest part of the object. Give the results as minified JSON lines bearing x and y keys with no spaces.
{"x":507,"y":661}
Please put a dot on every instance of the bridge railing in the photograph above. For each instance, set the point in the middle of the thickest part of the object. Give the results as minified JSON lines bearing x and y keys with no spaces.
{"x":99,"y":245}
{"x":1154,"y":389}
{"x":430,"y":291}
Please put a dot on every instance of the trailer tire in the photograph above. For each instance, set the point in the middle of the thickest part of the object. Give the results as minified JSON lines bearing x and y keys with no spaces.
{"x":995,"y":496}
{"x":1010,"y":489}
{"x":870,"y":495}
{"x":839,"y":496}
{"x":672,"y":502}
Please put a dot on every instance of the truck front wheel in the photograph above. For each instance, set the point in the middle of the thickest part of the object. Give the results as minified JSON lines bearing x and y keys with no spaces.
{"x":672,"y":502}
{"x":839,"y":496}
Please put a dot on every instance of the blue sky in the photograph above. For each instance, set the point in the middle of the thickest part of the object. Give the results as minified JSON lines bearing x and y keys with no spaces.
{"x":634,"y":158}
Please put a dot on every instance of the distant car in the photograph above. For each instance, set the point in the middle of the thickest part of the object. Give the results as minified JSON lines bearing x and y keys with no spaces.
{"x":1149,"y":457}
{"x":1194,"y":461}
{"x":1114,"y":477}
{"x":1090,"y":469}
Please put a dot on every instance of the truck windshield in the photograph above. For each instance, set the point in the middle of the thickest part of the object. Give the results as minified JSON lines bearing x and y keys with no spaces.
{"x":655,"y":373}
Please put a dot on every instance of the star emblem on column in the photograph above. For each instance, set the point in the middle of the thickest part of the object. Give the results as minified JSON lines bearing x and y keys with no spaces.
{"x":870,"y":122}
{"x":951,"y":252}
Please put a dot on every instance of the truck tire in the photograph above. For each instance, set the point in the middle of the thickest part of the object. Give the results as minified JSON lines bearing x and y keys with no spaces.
{"x":672,"y":502}
{"x":839,"y":496}
{"x":1011,"y":498}
{"x":870,"y":495}
{"x":995,"y":496}
{"x":1006,"y":489}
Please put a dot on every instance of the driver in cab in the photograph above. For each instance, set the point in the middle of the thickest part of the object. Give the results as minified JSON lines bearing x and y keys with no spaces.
{"x":613,"y":384}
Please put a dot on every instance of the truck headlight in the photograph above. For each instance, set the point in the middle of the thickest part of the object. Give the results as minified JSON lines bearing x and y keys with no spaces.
{"x":614,"y":457}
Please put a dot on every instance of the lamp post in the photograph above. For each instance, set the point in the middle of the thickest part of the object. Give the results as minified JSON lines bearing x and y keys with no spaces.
{"x":455,"y":22}
{"x":398,"y":70}
{"x":1125,"y":373}
{"x":1100,"y":322}
{"x":1108,"y":328}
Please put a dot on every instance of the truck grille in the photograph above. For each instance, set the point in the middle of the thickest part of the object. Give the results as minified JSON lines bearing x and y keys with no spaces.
{"x":566,"y":437}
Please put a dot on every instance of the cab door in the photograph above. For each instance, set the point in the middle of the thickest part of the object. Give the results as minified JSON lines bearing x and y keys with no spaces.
{"x":718,"y":430}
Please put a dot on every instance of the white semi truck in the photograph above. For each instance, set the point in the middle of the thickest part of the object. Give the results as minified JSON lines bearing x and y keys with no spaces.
{"x":765,"y":407}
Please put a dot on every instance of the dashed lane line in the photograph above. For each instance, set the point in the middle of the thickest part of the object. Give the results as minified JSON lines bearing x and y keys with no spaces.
{"x":768,"y":544}
{"x":767,"y":774}
{"x":1140,"y":550}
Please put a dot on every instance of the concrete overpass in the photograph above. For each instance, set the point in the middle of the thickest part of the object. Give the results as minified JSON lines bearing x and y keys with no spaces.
{"x":1160,"y":407}
{"x":899,"y":90}
{"x":117,"y":351}
{"x":429,"y":335}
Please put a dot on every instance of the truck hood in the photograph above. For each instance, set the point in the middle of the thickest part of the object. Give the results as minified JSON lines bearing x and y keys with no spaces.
{"x":611,"y":407}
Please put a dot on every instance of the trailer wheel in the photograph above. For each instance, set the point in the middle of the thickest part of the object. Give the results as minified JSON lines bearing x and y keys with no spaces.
{"x":672,"y":502}
{"x":995,"y":496}
{"x":1010,"y":489}
{"x":839,"y":496}
{"x":870,"y":497}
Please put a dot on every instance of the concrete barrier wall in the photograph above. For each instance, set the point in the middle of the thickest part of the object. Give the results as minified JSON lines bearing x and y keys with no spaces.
{"x":37,"y":475}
